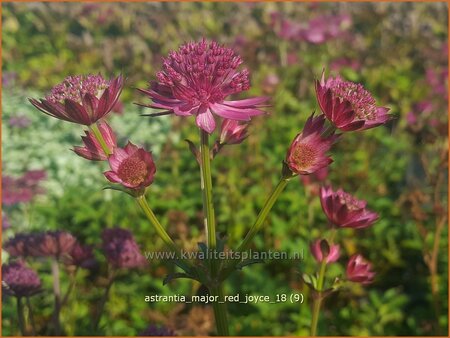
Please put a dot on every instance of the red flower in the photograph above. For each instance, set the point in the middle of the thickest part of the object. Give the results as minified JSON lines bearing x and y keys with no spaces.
{"x":132,"y":167}
{"x":51,"y":244}
{"x":345,"y":211}
{"x":348,"y":105}
{"x":81,"y":99}
{"x":231,"y":132}
{"x":307,"y":153}
{"x":92,"y":149}
{"x":321,"y":250}
{"x":197,"y":78}
{"x":359,"y":270}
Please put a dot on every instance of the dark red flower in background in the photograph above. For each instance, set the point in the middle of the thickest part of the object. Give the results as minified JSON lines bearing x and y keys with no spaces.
{"x":121,"y":249}
{"x":359,"y":270}
{"x":197,"y":79}
{"x":51,"y":244}
{"x":22,"y":189}
{"x":81,"y":99}
{"x":19,"y":281}
{"x":345,"y":211}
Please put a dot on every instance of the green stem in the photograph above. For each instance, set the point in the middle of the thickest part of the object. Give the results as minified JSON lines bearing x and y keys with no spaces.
{"x":104,"y":299}
{"x":263,"y":214}
{"x":57,"y":295}
{"x":318,"y":299}
{"x":220,"y":311}
{"x":206,"y":185}
{"x":162,"y":232}
{"x":158,"y":227}
{"x":31,"y":316}
{"x":20,"y":316}
{"x":98,"y":135}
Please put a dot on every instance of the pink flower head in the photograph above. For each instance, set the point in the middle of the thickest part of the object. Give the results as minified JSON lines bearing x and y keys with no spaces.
{"x":321,"y":250}
{"x":345,"y":211}
{"x":92,"y":149}
{"x":359,"y":270}
{"x":307,"y":152}
{"x":132,"y":167}
{"x":81,"y":99}
{"x":196,"y":80}
{"x":231,"y":132}
{"x":348,"y":105}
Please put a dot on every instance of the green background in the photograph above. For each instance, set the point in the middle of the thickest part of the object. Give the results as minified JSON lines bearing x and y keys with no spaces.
{"x":399,"y":168}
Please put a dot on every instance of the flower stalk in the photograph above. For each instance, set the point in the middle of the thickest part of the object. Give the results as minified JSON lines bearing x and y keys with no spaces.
{"x":20,"y":316}
{"x":98,"y":135}
{"x":263,"y":214}
{"x":31,"y":317}
{"x":220,"y":311}
{"x":57,"y":295}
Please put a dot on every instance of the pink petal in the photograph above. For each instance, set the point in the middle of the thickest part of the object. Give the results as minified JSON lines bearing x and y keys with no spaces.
{"x":205,"y":121}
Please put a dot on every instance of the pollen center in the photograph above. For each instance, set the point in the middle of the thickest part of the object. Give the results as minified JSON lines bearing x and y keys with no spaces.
{"x":351,"y":202}
{"x":361,"y":100}
{"x":74,"y":87}
{"x":304,"y":156}
{"x":133,"y":171}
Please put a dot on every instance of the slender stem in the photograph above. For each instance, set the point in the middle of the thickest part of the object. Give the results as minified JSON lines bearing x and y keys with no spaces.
{"x":104,"y":299}
{"x":70,"y":288}
{"x":31,"y":316}
{"x":98,"y":135}
{"x":318,"y":299}
{"x":263,"y":214}
{"x":158,"y":227}
{"x":220,"y":311}
{"x":20,"y":316}
{"x":57,"y":294}
{"x":206,"y":185}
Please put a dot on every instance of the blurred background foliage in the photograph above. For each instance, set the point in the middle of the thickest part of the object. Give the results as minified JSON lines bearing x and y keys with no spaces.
{"x":398,"y":51}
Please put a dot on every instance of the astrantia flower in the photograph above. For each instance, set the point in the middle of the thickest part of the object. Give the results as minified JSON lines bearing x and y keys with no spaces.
{"x":345,"y":211}
{"x":197,"y":79}
{"x":92,"y":149}
{"x":120,"y":249}
{"x":359,"y":270}
{"x":132,"y":167}
{"x":51,"y":244}
{"x":232,"y":132}
{"x":19,"y":281}
{"x":348,"y":105}
{"x":81,"y":256}
{"x":321,"y":250}
{"x":307,"y":152}
{"x":18,"y":246}
{"x":81,"y":99}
